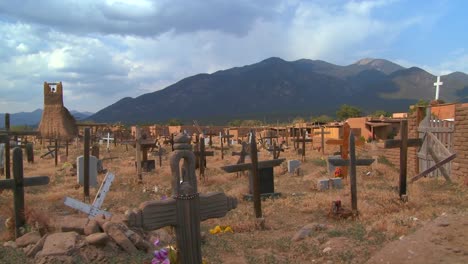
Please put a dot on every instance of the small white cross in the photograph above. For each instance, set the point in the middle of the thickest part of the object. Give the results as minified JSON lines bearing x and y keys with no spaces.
{"x":94,"y":209}
{"x":437,"y":85}
{"x":108,"y":139}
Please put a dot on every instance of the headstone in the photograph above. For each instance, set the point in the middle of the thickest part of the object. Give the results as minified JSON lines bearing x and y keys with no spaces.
{"x":332,"y":183}
{"x":267,"y":185}
{"x":30,"y":152}
{"x":293,"y":165}
{"x":92,"y":170}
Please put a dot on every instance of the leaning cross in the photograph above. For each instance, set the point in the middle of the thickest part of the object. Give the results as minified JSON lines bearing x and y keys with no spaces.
{"x":186,"y":208}
{"x":254,"y":168}
{"x":437,"y":85}
{"x":17,"y":184}
{"x":352,"y":162}
{"x":403,"y":144}
{"x":201,"y":155}
{"x":344,"y":146}
{"x":94,"y":209}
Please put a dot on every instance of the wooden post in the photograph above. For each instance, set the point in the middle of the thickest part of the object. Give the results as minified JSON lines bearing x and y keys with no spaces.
{"x":303,"y":144}
{"x":56,"y":151}
{"x":87,"y":136}
{"x":7,"y":147}
{"x":222,"y":149}
{"x":352,"y":174}
{"x":66,"y":148}
{"x":403,"y":157}
{"x":138,"y":154}
{"x":256,"y":178}
{"x":201,"y":156}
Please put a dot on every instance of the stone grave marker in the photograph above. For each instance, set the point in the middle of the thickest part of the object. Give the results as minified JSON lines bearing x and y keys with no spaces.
{"x":186,"y":208}
{"x":93,"y":171}
{"x":293,"y":166}
{"x":332,"y":183}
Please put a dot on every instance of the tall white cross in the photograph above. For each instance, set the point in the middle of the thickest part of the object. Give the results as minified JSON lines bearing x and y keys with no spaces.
{"x":437,"y":85}
{"x":108,"y":139}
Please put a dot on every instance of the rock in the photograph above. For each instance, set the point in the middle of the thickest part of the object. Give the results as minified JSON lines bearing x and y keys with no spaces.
{"x":59,"y":244}
{"x":36,"y":248}
{"x":71,"y":223}
{"x":10,"y":243}
{"x":307,"y":230}
{"x":161,"y":234}
{"x":91,"y":227}
{"x":28,"y":239}
{"x":327,"y":249}
{"x":27,"y":248}
{"x":138,"y":241}
{"x":114,"y":231}
{"x":97,"y":239}
{"x":101,"y":220}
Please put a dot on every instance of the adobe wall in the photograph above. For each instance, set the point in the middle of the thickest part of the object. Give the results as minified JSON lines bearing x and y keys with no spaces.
{"x":460,"y":145}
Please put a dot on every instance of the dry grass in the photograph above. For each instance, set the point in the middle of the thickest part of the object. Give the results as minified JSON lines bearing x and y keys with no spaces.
{"x":382,"y":216}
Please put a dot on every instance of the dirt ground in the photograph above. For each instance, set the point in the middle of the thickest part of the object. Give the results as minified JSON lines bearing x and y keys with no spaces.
{"x":383,"y":218}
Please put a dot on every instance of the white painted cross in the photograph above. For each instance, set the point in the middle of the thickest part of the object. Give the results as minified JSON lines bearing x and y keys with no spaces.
{"x":94,"y":209}
{"x":108,"y":139}
{"x":437,"y":85}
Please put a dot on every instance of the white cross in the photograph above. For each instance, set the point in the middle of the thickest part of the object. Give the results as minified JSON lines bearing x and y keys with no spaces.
{"x":94,"y":209}
{"x":108,"y":139}
{"x":437,"y":85}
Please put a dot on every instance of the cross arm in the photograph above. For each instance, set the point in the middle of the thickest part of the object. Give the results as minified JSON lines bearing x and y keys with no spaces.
{"x":206,"y":153}
{"x":215,"y":205}
{"x":29,"y":181}
{"x":301,"y":140}
{"x":343,"y":162}
{"x":395,"y":143}
{"x":248,"y":166}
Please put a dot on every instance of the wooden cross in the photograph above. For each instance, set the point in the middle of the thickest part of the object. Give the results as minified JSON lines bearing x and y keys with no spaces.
{"x":242,"y":154}
{"x":226,"y":137}
{"x":303,"y":140}
{"x":17,"y":184}
{"x":352,"y":162}
{"x":94,"y":209}
{"x":322,"y":134}
{"x":210,"y":134}
{"x":270,"y":137}
{"x":186,"y":208}
{"x":403,"y":144}
{"x":344,"y":142}
{"x":276,"y":150}
{"x":254,"y":166}
{"x":201,"y":155}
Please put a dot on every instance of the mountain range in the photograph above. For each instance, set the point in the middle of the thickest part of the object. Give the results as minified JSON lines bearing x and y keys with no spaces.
{"x":33,"y":118}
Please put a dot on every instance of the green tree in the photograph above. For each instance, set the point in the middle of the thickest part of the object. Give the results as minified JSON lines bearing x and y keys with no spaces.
{"x":235,"y":123}
{"x":174,"y":122}
{"x":380,"y":113}
{"x":347,"y":111}
{"x":321,"y":119}
{"x":251,"y":123}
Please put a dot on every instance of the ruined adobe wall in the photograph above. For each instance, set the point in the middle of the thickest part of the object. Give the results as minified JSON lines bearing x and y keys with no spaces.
{"x":460,"y":145}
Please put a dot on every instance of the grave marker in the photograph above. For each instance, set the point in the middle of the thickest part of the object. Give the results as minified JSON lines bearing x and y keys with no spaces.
{"x":17,"y":184}
{"x":94,"y":209}
{"x":303,"y":140}
{"x":186,"y":208}
{"x":29,"y":152}
{"x":322,"y":134}
{"x":92,"y":167}
{"x":352,"y":162}
{"x":201,"y":155}
{"x":293,"y":166}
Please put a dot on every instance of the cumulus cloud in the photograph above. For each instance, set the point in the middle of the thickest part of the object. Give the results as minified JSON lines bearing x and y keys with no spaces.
{"x":106,"y":50}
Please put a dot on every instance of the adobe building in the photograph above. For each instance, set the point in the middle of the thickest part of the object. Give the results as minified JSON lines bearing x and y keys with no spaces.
{"x":56,"y":120}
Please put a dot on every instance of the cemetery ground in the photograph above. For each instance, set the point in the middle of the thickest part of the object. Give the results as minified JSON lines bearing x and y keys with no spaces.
{"x":434,"y":206}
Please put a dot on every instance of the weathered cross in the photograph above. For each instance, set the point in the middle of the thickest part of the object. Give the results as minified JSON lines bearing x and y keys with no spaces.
{"x":94,"y":209}
{"x":254,"y":167}
{"x":17,"y":184}
{"x":403,"y":144}
{"x":276,"y":150}
{"x":344,"y":142}
{"x":352,"y":162}
{"x":108,"y":139}
{"x":322,"y":134}
{"x":269,"y":136}
{"x":201,"y":155}
{"x":437,"y":85}
{"x":210,"y":134}
{"x":303,"y":140}
{"x":186,"y":208}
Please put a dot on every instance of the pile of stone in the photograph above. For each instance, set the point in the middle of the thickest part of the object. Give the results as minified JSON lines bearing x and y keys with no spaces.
{"x":79,"y":235}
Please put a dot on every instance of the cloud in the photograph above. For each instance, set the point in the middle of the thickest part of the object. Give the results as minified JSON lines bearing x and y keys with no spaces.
{"x":103,"y":51}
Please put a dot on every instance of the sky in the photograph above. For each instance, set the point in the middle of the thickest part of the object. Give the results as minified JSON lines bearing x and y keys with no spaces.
{"x":103,"y":51}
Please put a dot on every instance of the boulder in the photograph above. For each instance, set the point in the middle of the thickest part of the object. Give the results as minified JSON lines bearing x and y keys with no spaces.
{"x":97,"y":239}
{"x":28,"y":239}
{"x":59,"y":244}
{"x":115,"y":232}
{"x":73,"y":224}
{"x":91,"y":227}
{"x":36,"y":248}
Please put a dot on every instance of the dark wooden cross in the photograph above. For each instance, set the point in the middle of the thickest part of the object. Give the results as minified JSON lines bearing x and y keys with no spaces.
{"x":186,"y":208}
{"x":227,"y":137}
{"x":270,"y":136}
{"x":210,"y":135}
{"x":344,"y":146}
{"x":352,"y":162}
{"x":322,"y":134}
{"x":254,"y":167}
{"x":243,"y":153}
{"x":403,"y":143}
{"x":17,"y":184}
{"x":303,"y":140}
{"x":276,"y":150}
{"x":5,"y":138}
{"x":201,"y":155}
